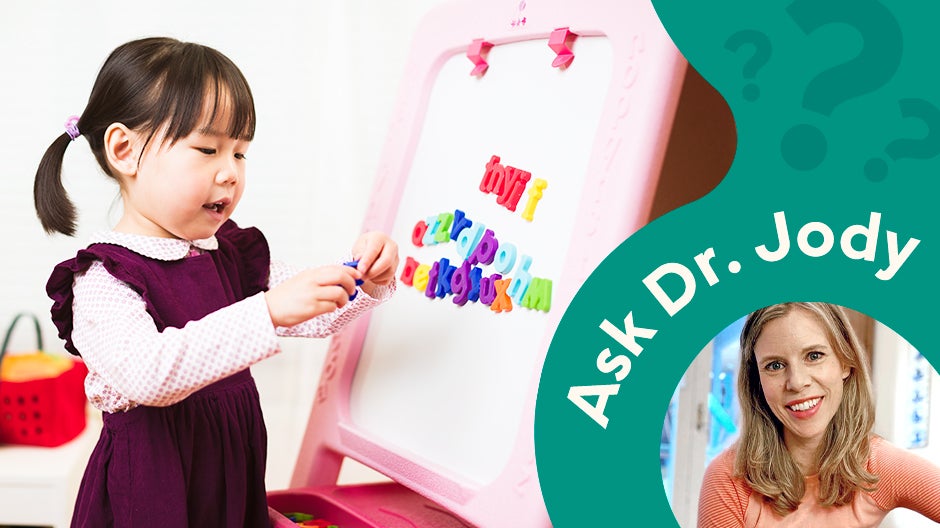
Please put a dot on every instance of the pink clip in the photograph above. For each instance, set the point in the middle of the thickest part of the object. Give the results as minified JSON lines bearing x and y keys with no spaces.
{"x":477,"y":53}
{"x":560,"y":41}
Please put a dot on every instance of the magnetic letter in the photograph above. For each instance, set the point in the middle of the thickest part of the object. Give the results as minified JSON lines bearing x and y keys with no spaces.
{"x":460,"y":222}
{"x":485,"y":250}
{"x":476,"y":275}
{"x":433,"y":275}
{"x":417,"y":234}
{"x":502,"y":302}
{"x":520,"y":279}
{"x":488,"y":288}
{"x":460,"y":284}
{"x":535,"y":194}
{"x":505,"y":258}
{"x":490,"y":176}
{"x":539,"y":295}
{"x":433,"y":223}
{"x":421,"y":277}
{"x":443,"y":230}
{"x":468,"y":239}
{"x":408,"y":272}
{"x":515,"y":182}
{"x":445,"y":273}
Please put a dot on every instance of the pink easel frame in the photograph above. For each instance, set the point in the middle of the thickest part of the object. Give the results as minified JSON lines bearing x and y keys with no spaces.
{"x":624,"y":168}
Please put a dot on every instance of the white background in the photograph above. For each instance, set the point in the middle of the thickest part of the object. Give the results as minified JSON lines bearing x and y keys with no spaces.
{"x":436,"y":380}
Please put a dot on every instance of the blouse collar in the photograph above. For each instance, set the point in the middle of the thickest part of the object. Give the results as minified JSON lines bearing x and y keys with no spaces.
{"x":154,"y":247}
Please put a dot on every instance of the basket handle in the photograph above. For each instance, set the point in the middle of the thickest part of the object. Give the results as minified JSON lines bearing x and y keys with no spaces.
{"x":9,"y":334}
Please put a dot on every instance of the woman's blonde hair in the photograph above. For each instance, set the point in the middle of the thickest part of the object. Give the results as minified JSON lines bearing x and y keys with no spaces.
{"x":762,"y":458}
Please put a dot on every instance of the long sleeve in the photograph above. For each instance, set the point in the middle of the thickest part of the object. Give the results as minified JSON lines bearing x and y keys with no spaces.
{"x":131,"y":363}
{"x":332,"y":322}
{"x":723,"y":498}
{"x":907,"y":480}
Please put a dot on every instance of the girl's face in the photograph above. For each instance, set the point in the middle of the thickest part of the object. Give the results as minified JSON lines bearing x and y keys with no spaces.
{"x":186,"y":189}
{"x":800,"y":375}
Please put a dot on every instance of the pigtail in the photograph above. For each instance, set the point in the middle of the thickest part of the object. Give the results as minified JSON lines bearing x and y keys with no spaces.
{"x":55,"y":210}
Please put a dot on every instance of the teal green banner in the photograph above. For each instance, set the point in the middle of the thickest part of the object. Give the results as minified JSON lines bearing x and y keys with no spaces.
{"x":832,"y":196}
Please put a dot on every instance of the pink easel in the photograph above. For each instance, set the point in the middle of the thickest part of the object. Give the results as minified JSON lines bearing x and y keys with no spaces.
{"x":624,"y":164}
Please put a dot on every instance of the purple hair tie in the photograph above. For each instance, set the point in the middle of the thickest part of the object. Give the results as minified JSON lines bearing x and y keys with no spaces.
{"x":71,"y":128}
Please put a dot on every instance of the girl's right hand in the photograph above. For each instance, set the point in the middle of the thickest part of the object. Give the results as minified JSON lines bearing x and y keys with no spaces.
{"x":310,"y":293}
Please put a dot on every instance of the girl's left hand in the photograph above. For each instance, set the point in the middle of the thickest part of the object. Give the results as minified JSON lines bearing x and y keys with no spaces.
{"x":378,"y":258}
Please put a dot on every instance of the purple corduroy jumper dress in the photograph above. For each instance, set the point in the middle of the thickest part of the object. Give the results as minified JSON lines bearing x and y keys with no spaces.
{"x":198,"y":463}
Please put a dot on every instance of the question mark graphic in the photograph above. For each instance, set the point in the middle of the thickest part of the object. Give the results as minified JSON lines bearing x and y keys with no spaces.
{"x":804,"y":146}
{"x":760,"y":57}
{"x":928,"y":147}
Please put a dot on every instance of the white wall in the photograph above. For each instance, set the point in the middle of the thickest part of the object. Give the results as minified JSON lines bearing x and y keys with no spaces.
{"x":325,"y":76}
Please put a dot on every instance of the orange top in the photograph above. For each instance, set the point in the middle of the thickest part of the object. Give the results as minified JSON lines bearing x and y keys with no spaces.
{"x":906,"y":481}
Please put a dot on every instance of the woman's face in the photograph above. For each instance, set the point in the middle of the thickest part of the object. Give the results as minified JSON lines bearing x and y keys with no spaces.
{"x":800,"y":375}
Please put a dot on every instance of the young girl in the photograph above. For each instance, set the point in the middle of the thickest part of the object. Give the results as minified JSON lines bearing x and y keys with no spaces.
{"x":170,"y":308}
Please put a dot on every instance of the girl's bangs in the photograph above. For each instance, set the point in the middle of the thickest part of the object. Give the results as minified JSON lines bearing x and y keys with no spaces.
{"x":233,"y":101}
{"x":225,"y":94}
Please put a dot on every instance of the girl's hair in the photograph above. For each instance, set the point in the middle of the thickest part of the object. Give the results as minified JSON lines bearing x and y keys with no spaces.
{"x":148,"y":85}
{"x":762,"y":458}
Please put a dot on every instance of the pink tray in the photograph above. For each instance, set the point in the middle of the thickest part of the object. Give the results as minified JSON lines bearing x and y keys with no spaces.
{"x":386,"y":505}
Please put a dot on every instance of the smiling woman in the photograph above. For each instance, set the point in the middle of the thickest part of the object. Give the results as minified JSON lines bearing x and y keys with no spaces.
{"x":806,"y":455}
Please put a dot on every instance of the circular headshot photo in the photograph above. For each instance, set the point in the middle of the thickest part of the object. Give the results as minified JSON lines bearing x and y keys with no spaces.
{"x":804,"y":414}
